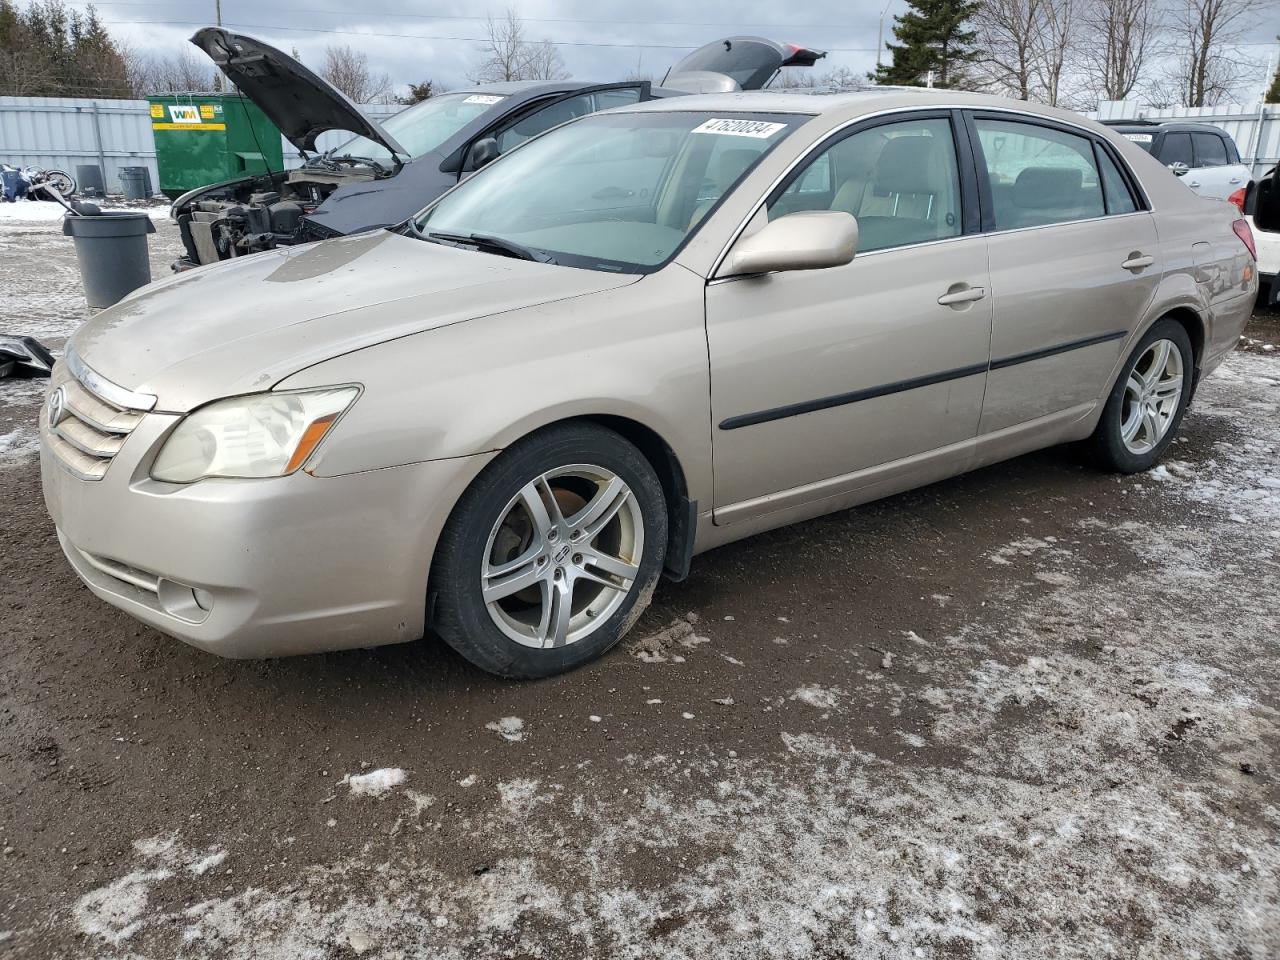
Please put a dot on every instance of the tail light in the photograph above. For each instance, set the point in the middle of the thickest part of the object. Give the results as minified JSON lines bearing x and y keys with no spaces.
{"x":1238,"y":199}
{"x":1241,"y":227}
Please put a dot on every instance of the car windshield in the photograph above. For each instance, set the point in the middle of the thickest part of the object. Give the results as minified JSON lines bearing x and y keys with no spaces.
{"x":1144,"y":140}
{"x":424,"y":126}
{"x":616,"y":192}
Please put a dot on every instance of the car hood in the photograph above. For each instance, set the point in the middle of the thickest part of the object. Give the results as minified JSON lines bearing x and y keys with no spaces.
{"x":244,"y":325}
{"x":296,"y":100}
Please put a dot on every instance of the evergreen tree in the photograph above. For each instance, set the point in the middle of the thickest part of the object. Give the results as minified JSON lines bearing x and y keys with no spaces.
{"x":48,"y":50}
{"x":933,"y":35}
{"x":1273,"y":94}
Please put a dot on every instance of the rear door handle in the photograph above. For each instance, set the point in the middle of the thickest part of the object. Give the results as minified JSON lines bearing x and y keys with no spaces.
{"x":1194,"y":183}
{"x":1138,"y":262}
{"x":967,"y":295}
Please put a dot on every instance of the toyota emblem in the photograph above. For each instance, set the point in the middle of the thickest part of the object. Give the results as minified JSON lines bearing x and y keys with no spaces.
{"x":57,"y":405}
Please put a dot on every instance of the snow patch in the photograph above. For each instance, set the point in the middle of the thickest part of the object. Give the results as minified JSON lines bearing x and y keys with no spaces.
{"x":374,"y":783}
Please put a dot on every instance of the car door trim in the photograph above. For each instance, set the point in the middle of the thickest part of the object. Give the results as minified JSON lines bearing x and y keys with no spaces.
{"x":853,"y":396}
{"x":901,"y":386}
{"x":1017,"y":358}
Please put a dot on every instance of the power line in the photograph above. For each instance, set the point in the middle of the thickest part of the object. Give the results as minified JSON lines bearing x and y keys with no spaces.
{"x":612,"y":22}
{"x":423,"y":36}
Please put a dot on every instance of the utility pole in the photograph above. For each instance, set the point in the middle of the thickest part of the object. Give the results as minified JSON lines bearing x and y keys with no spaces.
{"x":880,"y":33}
{"x":217,"y":15}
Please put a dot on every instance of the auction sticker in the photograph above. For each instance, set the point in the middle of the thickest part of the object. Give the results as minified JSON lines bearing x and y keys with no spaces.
{"x":482,"y":98}
{"x":1138,"y":137}
{"x":755,"y":129}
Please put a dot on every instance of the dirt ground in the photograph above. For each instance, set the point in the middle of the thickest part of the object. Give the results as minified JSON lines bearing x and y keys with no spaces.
{"x":1031,"y":712}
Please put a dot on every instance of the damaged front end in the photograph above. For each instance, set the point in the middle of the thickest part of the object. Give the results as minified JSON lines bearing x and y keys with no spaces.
{"x":252,"y":214}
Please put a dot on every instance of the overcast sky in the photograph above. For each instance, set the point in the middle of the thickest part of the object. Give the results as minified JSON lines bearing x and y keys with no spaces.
{"x":598,"y":39}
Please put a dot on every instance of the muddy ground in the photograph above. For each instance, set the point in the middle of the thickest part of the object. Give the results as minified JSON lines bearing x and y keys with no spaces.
{"x":1030,"y":712}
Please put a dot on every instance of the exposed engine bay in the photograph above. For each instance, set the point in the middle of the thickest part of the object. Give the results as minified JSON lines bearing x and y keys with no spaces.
{"x":255,"y":214}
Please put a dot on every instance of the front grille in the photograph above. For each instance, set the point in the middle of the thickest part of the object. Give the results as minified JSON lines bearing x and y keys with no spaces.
{"x":84,"y":430}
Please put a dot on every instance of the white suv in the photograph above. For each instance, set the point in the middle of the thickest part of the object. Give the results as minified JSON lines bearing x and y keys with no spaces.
{"x":1262,"y":210}
{"x":1204,"y":157}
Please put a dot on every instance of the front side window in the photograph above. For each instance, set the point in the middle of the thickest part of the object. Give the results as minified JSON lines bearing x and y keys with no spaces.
{"x":900,"y":181}
{"x":424,"y":126}
{"x":562,"y":111}
{"x":614,"y":192}
{"x":1037,"y":175}
{"x":1209,"y":149}
{"x":1177,"y":149}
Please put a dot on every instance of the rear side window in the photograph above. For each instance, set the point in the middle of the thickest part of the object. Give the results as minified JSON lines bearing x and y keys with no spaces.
{"x":1119,"y":197}
{"x":1209,"y":149}
{"x":1038,"y":175}
{"x":1177,"y":149}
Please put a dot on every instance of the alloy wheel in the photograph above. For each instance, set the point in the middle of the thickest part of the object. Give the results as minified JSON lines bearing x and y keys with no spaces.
{"x":562,"y":556}
{"x":1152,"y":395}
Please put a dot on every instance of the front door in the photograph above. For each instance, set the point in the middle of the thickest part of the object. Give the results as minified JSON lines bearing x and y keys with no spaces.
{"x":816,"y":375}
{"x":1074,"y":263}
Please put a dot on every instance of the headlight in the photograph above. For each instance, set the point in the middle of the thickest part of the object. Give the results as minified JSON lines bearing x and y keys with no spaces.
{"x":263,"y":435}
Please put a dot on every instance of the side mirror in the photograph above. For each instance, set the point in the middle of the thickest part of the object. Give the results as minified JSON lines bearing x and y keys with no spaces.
{"x":482,"y":152}
{"x":1179,"y":168}
{"x":810,"y":240}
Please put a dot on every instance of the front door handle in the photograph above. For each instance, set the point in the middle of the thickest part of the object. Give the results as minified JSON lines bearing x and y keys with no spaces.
{"x":1194,"y":183}
{"x":967,"y":295}
{"x":1137,"y":261}
{"x":1234,"y":180}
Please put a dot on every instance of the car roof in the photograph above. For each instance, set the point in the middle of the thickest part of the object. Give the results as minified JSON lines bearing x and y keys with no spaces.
{"x":511,"y":87}
{"x":1158,"y":126}
{"x":838,"y":107}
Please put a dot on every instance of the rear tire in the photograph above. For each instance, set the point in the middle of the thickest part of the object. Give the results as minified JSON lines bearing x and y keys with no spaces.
{"x":1147,"y":402}
{"x":552,"y":553}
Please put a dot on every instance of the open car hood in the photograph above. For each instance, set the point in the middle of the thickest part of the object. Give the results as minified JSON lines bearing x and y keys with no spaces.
{"x":296,"y":100}
{"x":737,"y":63}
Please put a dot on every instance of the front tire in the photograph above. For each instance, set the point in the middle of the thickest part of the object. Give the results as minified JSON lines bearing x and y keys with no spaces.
{"x":551,"y":554}
{"x":1148,"y":401}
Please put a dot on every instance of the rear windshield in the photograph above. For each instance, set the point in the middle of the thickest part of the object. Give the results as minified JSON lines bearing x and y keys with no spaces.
{"x":750,"y":63}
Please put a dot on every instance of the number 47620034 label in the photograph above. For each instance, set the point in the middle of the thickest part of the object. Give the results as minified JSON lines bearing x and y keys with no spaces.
{"x":756,"y":129}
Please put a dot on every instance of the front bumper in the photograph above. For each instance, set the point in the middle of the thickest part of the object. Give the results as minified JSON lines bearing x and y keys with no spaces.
{"x":257,"y":568}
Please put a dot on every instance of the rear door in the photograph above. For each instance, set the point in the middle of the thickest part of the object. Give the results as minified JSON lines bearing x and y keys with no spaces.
{"x":1074,"y":264}
{"x":1215,"y":173}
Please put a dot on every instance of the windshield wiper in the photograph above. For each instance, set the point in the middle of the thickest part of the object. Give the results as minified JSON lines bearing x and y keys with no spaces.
{"x":484,"y":241}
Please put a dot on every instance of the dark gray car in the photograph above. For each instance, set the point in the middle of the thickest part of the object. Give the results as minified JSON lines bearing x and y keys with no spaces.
{"x":389,"y":171}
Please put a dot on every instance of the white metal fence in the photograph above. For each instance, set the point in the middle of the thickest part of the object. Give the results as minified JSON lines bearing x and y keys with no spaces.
{"x":63,"y":132}
{"x":1255,"y":129}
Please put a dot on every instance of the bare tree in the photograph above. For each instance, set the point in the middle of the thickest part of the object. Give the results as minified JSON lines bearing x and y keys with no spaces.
{"x":1055,"y":46}
{"x":1008,"y":33}
{"x":179,"y":72}
{"x":348,"y":70}
{"x":510,"y":55}
{"x":1121,"y":37}
{"x":1203,"y":36}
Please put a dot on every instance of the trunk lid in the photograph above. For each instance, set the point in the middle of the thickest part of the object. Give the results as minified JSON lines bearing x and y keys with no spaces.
{"x":749,"y":62}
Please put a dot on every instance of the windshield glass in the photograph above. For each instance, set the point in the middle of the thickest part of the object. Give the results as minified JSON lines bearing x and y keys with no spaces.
{"x":611,"y":191}
{"x":424,"y":126}
{"x":1144,"y":140}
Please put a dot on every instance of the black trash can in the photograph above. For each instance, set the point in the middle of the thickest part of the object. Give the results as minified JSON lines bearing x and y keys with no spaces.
{"x":135,"y":183}
{"x":92,"y":182}
{"x":112,"y":250}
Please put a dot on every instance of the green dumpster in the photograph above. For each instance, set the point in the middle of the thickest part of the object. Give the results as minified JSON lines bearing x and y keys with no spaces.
{"x":204,"y":138}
